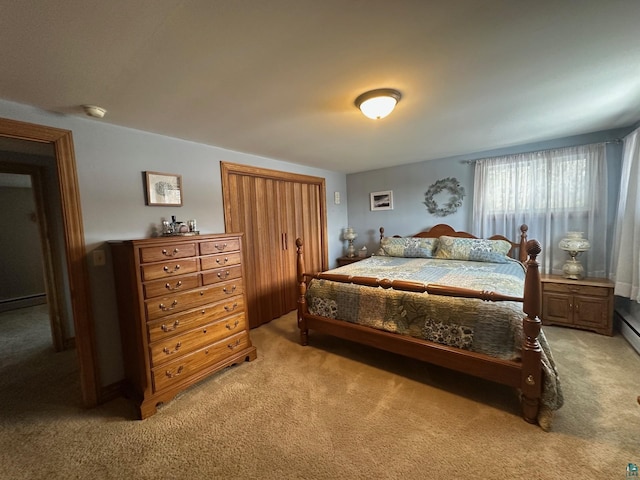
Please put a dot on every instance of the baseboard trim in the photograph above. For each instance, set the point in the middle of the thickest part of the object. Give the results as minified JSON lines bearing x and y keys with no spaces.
{"x":22,"y":302}
{"x":111,"y":392}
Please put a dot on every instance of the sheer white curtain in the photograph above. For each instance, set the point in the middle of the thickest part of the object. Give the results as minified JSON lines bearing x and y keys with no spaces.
{"x":553,"y":192}
{"x":626,"y":257}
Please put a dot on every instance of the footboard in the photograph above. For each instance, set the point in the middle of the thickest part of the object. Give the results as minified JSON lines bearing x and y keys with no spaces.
{"x":525,"y":374}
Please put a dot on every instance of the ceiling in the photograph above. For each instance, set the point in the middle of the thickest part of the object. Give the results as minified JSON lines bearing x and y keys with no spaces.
{"x":278,"y":78}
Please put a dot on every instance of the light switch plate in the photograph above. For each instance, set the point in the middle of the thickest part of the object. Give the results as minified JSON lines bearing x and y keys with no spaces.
{"x":336,"y":198}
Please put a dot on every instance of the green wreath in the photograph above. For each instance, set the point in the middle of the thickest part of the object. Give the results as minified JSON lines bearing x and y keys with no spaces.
{"x":451,"y":185}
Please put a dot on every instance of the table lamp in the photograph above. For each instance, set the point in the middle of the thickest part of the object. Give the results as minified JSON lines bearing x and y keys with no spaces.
{"x":574,"y":244}
{"x":350,"y":236}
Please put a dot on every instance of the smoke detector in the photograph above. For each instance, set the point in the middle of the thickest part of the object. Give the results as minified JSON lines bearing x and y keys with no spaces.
{"x":94,"y":111}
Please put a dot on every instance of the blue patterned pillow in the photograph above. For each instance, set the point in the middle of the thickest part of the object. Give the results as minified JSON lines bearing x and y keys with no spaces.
{"x":409,"y":247}
{"x":475,"y":249}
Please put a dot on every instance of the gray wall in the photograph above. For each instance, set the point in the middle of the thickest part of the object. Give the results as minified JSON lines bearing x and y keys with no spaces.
{"x":20,"y":249}
{"x":410,"y":182}
{"x":110,"y":160}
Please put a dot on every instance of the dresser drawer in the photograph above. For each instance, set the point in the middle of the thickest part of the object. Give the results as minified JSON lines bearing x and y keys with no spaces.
{"x":183,"y":322}
{"x":169,"y":269}
{"x":170,"y":348}
{"x":180,"y":369}
{"x":163,"y":306}
{"x":170,"y":285}
{"x":165,"y":252}
{"x":217,"y":261}
{"x":575,"y":289}
{"x":221,"y":275}
{"x":220,"y":246}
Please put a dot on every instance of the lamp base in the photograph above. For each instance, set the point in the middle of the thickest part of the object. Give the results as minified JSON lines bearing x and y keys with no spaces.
{"x":573,"y":269}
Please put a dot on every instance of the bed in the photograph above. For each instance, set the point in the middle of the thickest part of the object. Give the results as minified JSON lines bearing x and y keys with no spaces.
{"x":448,"y":298}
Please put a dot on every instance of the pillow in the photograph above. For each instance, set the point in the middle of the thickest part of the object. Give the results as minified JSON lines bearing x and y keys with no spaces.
{"x":475,"y":249}
{"x":409,"y":247}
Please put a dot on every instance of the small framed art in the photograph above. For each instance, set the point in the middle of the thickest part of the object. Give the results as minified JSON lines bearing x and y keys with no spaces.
{"x":382,"y":200}
{"x":163,"y":189}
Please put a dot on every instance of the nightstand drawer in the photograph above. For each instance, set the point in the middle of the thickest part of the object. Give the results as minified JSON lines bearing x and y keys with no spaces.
{"x":575,"y":289}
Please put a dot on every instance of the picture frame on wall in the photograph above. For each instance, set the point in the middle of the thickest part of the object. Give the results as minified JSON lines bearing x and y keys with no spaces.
{"x":163,"y":189}
{"x":382,"y":200}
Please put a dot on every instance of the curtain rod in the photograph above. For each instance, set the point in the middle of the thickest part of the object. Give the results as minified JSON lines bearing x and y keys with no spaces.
{"x":471,"y":162}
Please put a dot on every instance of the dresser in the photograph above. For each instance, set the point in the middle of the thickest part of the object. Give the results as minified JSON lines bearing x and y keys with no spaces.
{"x":587,"y":304}
{"x":182,"y":311}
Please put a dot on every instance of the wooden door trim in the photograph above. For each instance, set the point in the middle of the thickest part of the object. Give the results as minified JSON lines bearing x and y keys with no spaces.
{"x":78,"y":274}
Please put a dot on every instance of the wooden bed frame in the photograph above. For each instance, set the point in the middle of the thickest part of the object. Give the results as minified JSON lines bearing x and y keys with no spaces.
{"x":525,"y":375}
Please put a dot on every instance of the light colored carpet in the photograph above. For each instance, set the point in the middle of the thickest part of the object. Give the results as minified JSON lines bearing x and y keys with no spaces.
{"x":331,"y":410}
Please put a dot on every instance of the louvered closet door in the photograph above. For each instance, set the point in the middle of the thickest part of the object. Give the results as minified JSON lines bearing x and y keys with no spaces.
{"x":252,"y":215}
{"x":273,"y":209}
{"x":301,"y":219}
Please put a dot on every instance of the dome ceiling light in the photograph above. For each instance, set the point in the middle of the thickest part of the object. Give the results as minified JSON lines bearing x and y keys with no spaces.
{"x":379,"y":103}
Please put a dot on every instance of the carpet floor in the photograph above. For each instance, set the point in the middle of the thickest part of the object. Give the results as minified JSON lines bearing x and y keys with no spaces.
{"x":331,"y":410}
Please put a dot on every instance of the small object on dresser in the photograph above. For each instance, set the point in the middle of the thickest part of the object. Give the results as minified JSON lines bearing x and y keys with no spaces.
{"x":362,"y":253}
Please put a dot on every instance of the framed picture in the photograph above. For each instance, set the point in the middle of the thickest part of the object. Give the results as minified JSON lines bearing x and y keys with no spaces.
{"x":382,"y":200}
{"x":164,"y":189}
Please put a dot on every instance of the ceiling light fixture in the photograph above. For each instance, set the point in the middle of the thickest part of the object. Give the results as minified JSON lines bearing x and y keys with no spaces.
{"x":94,"y":111}
{"x":379,"y":103}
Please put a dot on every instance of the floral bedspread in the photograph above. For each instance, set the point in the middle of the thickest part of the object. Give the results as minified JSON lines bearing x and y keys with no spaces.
{"x":492,"y":328}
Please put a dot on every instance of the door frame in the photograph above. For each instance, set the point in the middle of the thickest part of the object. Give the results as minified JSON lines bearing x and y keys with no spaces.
{"x":73,"y":231}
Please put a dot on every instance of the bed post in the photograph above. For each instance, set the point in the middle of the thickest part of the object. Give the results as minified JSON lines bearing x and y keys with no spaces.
{"x":381,"y":234}
{"x":531,"y":351}
{"x":522,"y":251}
{"x":302,"y":301}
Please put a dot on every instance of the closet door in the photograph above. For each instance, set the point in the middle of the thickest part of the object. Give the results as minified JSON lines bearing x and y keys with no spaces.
{"x":273,"y":209}
{"x":263,"y":262}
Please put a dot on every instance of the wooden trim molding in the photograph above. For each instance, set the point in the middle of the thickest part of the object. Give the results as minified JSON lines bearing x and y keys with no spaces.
{"x":62,"y":142}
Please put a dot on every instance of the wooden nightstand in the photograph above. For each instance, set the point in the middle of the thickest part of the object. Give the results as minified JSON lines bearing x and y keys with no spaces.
{"x":585,"y":304}
{"x":347,"y":260}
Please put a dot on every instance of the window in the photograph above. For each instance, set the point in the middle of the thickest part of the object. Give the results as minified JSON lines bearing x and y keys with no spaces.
{"x":553,"y":192}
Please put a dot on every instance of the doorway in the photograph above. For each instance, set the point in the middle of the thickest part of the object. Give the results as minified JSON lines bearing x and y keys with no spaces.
{"x":61,"y":142}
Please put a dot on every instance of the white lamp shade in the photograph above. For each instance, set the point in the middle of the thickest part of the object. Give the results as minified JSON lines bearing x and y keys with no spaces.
{"x":379,"y":103}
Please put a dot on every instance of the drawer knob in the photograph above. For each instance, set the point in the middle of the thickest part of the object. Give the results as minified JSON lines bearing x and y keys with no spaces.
{"x":220,"y":247}
{"x":218,"y":261}
{"x":171,"y":328}
{"x":233,"y":346}
{"x":168,"y":270}
{"x":226,"y":274}
{"x":167,"y":254}
{"x":164,"y":308}
{"x":233,"y":289}
{"x":230,"y":308}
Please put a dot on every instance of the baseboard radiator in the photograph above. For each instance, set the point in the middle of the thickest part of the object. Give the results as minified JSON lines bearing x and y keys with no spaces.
{"x":629,"y":326}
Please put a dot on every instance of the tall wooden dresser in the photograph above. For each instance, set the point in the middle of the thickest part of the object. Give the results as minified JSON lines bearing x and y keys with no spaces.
{"x":182,"y":309}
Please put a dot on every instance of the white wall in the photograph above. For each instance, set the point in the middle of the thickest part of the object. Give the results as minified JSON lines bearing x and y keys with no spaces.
{"x":110,"y":161}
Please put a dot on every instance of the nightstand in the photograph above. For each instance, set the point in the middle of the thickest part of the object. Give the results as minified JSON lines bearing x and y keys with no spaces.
{"x":342,"y":261}
{"x":585,"y":304}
